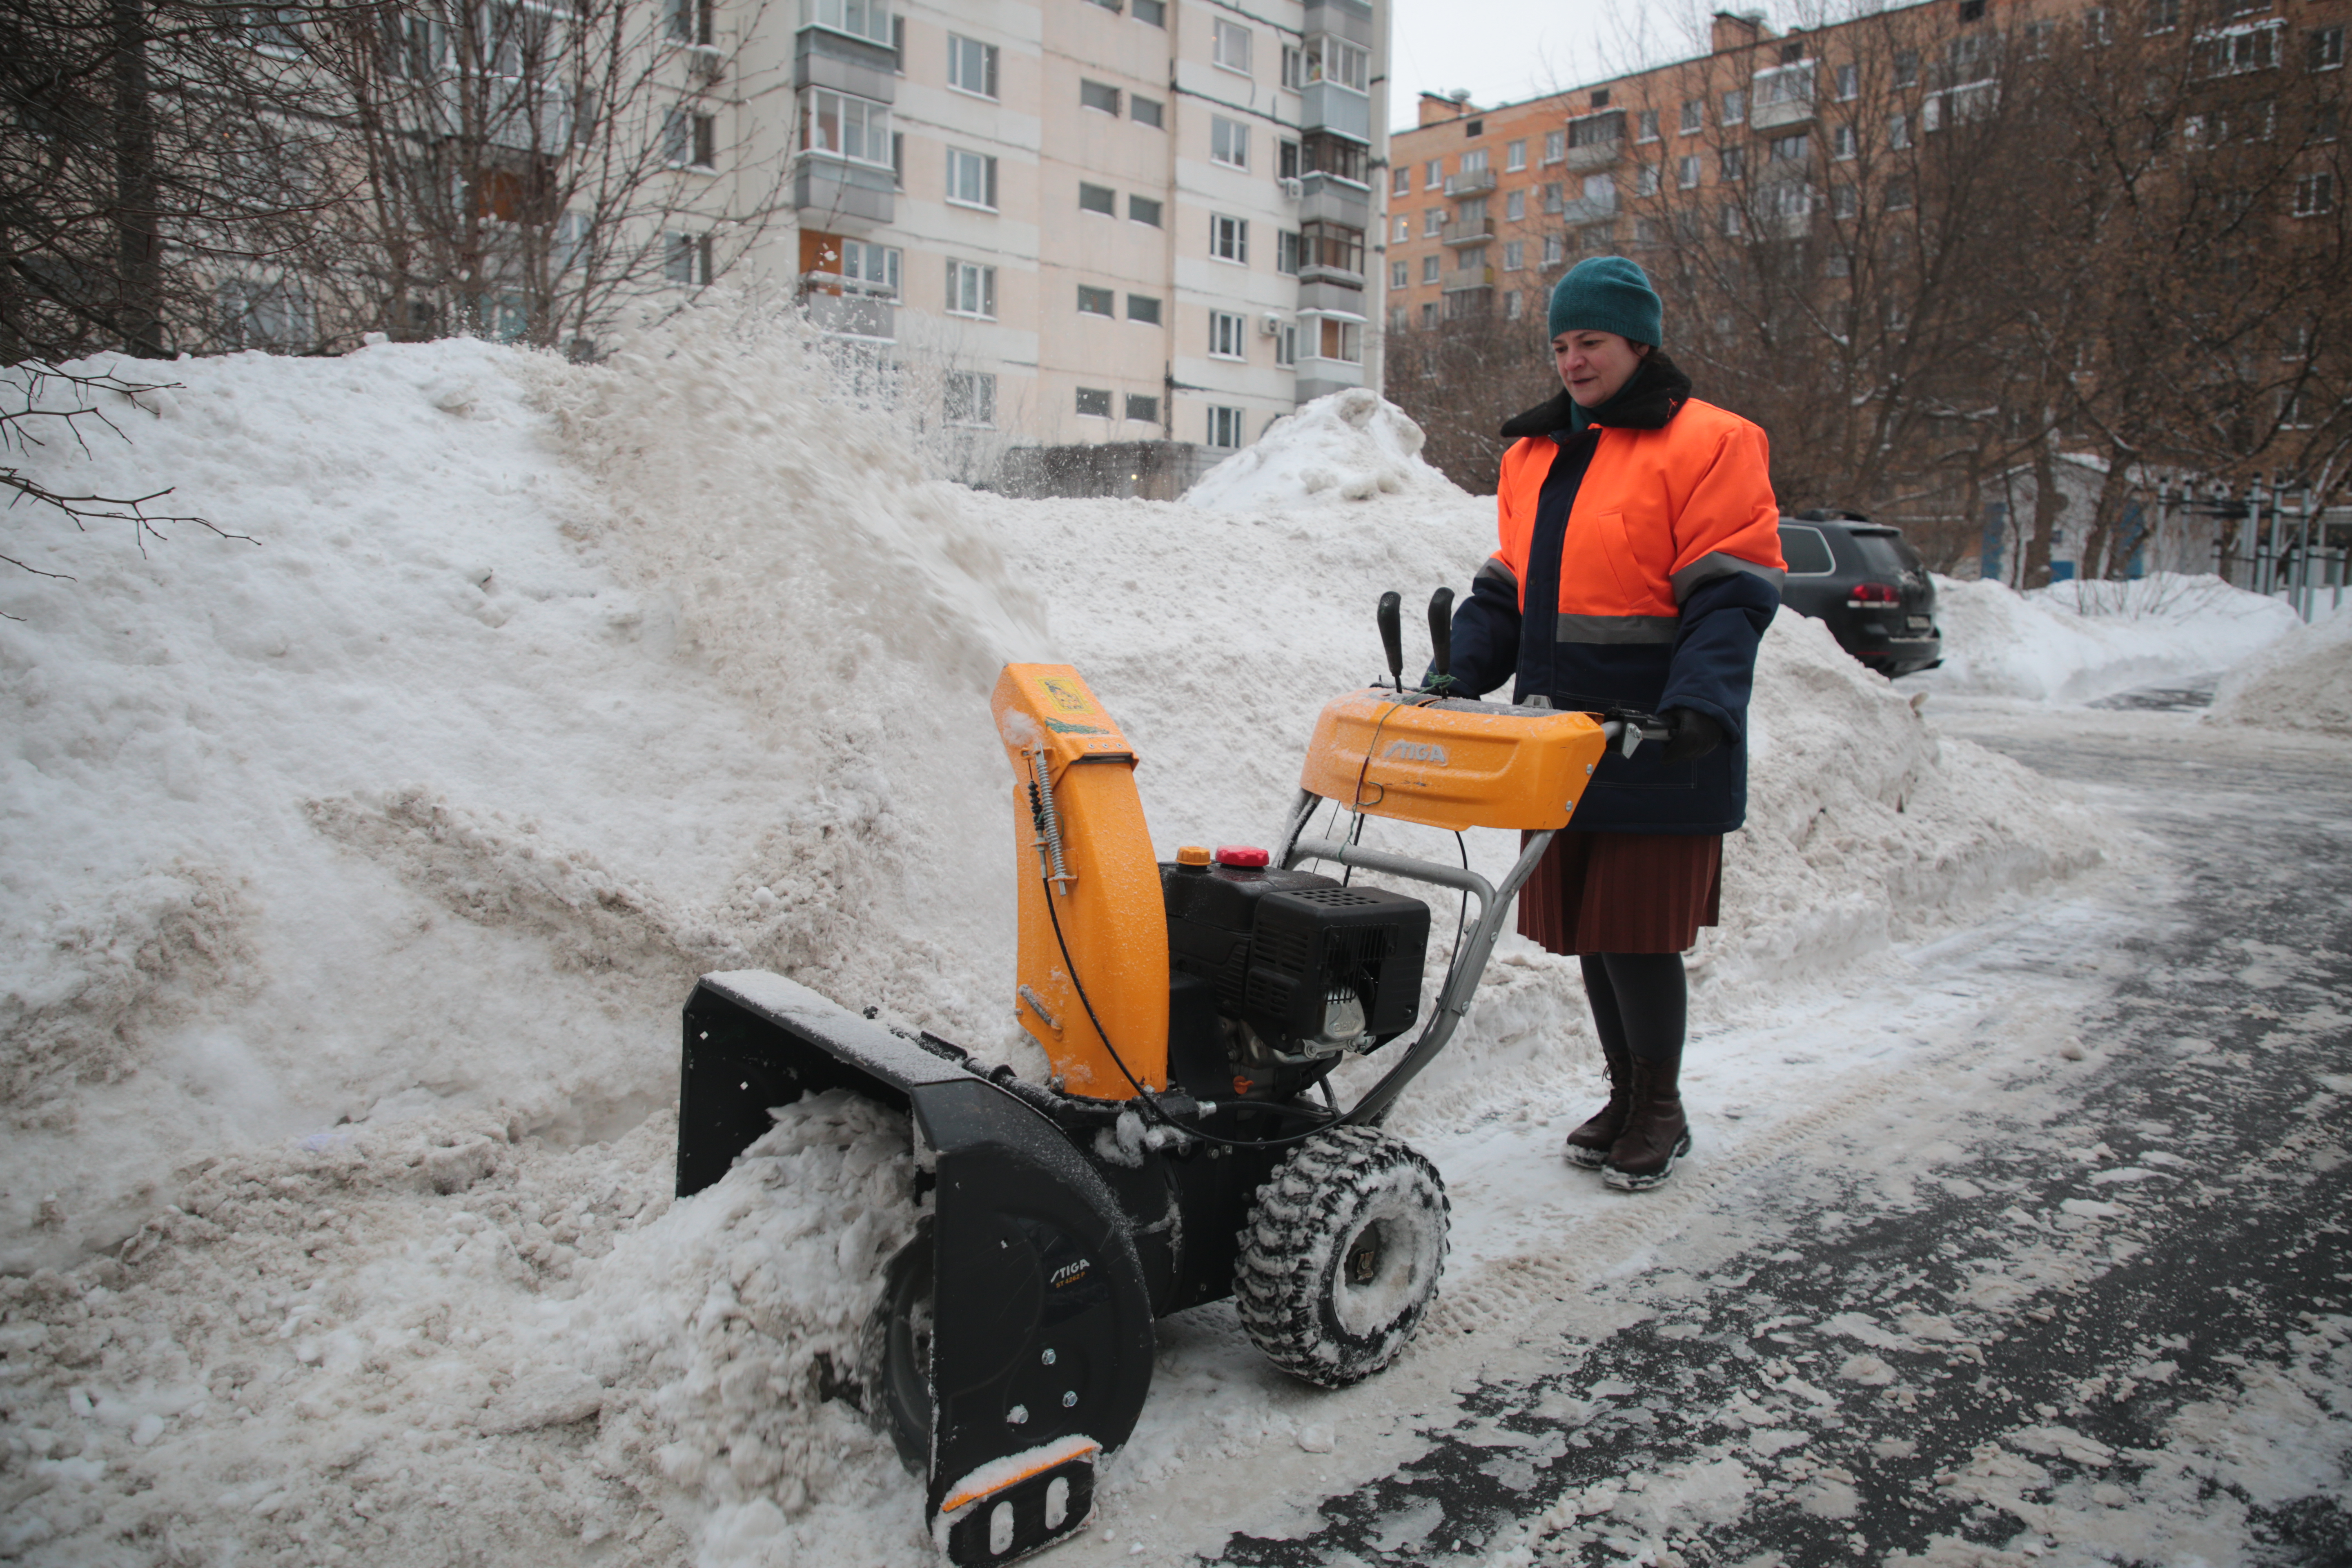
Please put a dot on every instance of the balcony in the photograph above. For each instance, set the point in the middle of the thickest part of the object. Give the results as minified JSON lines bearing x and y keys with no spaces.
{"x":1328,"y":198}
{"x":1322,"y":377}
{"x":1596,"y":140}
{"x":1349,"y":19}
{"x":833,"y":186}
{"x":824,"y":59}
{"x":1327,"y":106}
{"x":1473,"y":231}
{"x":1464,"y":278}
{"x":1782,"y":96}
{"x":847,"y":308}
{"x":1470,"y":183}
{"x":1329,"y":294}
{"x":1589,"y":209}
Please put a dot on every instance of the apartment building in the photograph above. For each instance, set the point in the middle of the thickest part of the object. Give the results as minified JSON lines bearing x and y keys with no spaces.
{"x":1137,"y":220}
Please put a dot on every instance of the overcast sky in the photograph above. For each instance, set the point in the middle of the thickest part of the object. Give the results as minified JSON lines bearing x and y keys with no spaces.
{"x":1506,"y":50}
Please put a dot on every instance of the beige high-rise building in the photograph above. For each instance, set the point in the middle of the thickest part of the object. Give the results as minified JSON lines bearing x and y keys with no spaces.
{"x":1141,"y":220}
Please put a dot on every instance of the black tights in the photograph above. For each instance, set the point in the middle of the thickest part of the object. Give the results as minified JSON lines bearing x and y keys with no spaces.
{"x":1641,"y":1002}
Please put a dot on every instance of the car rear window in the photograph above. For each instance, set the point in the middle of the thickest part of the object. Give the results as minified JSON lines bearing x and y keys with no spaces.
{"x":1806,"y":552}
{"x":1884,"y":552}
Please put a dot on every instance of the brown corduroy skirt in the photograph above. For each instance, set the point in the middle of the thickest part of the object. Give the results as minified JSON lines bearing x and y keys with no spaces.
{"x":1623,"y":892}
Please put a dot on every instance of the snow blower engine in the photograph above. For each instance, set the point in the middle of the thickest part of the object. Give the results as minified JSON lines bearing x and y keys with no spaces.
{"x":1188,"y":1144}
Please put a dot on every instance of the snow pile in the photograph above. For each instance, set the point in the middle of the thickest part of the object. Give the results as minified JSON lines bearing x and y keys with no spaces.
{"x":351,"y":881}
{"x":1351,"y":446}
{"x":2301,"y":681}
{"x":2076,"y":641}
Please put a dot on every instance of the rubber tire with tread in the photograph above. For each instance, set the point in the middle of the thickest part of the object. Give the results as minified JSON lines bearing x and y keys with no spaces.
{"x":1346,"y":1201}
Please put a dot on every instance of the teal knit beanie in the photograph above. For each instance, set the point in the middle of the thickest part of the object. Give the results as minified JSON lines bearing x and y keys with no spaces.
{"x":1607,"y":294}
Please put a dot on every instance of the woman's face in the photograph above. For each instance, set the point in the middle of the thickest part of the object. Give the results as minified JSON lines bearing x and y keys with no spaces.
{"x":1593,"y":366}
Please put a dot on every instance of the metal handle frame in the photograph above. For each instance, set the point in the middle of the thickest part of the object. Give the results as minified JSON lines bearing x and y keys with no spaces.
{"x":1469,"y":963}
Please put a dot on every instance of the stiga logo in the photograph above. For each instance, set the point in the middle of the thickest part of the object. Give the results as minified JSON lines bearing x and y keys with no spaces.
{"x":1069,"y":1273}
{"x":1416,"y":752}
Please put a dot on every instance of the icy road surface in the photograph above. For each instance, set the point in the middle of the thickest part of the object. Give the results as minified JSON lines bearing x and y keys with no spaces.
{"x":2054,"y":1271}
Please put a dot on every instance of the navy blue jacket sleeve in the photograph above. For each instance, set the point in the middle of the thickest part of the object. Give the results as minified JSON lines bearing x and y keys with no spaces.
{"x":1486,"y":631}
{"x":1714,"y":666}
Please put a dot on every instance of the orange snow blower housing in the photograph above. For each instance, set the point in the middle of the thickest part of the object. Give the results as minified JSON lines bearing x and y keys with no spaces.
{"x":1188,"y":1144}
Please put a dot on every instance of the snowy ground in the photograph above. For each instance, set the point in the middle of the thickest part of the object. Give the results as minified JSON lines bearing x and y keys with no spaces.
{"x":353,"y":877}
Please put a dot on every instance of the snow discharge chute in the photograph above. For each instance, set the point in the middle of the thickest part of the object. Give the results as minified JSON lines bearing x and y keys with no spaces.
{"x":1187,"y":1145}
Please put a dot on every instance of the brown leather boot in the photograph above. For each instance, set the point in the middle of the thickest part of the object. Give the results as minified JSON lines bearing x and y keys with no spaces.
{"x":1655,"y":1135}
{"x":1589,"y":1145}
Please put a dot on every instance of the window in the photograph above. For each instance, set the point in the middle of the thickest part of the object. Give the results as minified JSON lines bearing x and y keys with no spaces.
{"x":1093,"y":403}
{"x":1790,"y":149}
{"x":972,"y":398}
{"x":1972,"y":10}
{"x":1232,"y":47}
{"x":1694,"y":119}
{"x":1471,"y":259}
{"x":1142,"y":410}
{"x":972,"y":179}
{"x":1806,"y":552}
{"x":972,"y":66}
{"x":1731,"y":221}
{"x":2325,"y":49}
{"x":1098,"y":199}
{"x":1473,"y":129}
{"x":1096,"y":301}
{"x":1227,"y":335}
{"x":1224,"y":427}
{"x":1907,"y":67}
{"x":1735,"y":163}
{"x":1398,"y":275}
{"x":971,"y":290}
{"x":1555,"y":146}
{"x":1100,"y":96}
{"x":1402,"y":231}
{"x":1843,"y":142}
{"x":1433,"y":223}
{"x":860,"y":18}
{"x":1433,"y":173}
{"x":1401,"y":181}
{"x":1514,"y":207}
{"x":2163,"y":15}
{"x":1473,"y":162}
{"x":1849,"y":83}
{"x":1429,"y":266}
{"x":849,"y":127}
{"x":1898,"y":195}
{"x":1333,"y":246}
{"x":1429,"y":316}
{"x":1324,"y":153}
{"x":690,"y":141}
{"x":689,"y":21}
{"x":1399,"y":316}
{"x":2244,"y":49}
{"x":1341,"y":341}
{"x":685,"y":259}
{"x":1645,"y":126}
{"x":1734,"y":107}
{"x":1514,"y":305}
{"x":1515,"y":255}
{"x":1229,"y":239}
{"x":1286,"y":343}
{"x":1335,"y":60}
{"x":1146,"y":111}
{"x":1514,"y":157}
{"x":1145,"y":309}
{"x":1143,"y":209}
{"x":1285,"y":158}
{"x":1555,"y":198}
{"x":1837,"y":264}
{"x":1555,"y":249}
{"x":1596,"y":130}
{"x":1646,"y":180}
{"x":1153,"y":13}
{"x":875,"y":265}
{"x":1686,"y":173}
{"x":1294,"y":68}
{"x":1228,"y":141}
{"x":1845,"y":202}
{"x":1286,"y":251}
{"x":1898,"y":132}
{"x":2314,"y":193}
{"x":2096,"y":32}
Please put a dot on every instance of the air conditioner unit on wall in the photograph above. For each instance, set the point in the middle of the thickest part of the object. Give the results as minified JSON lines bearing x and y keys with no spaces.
{"x":1293,"y":187}
{"x":1269,"y":325}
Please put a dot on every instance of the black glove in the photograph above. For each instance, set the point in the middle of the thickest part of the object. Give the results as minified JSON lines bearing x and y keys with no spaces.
{"x":1690,"y":734}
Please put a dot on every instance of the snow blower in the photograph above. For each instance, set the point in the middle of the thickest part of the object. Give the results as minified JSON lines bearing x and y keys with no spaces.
{"x":1188,"y":1145}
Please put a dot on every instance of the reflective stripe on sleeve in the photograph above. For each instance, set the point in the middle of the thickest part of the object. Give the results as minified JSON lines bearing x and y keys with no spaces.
{"x":1495,"y":566}
{"x":1717,"y":563}
{"x":1618,"y":628}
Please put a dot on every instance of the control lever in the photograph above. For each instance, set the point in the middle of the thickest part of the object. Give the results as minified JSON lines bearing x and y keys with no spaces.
{"x":1441,"y":639}
{"x":1627,"y":728}
{"x":1393,"y":634}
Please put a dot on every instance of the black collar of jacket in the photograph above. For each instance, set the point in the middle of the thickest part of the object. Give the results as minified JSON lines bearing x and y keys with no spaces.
{"x":1653,"y":395}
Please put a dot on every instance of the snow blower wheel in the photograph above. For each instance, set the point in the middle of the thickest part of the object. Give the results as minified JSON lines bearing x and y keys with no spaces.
{"x":897,"y":1351}
{"x":1341,"y":1255}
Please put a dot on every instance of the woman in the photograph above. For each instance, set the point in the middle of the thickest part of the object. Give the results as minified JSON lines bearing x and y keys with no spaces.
{"x":1639,"y":565}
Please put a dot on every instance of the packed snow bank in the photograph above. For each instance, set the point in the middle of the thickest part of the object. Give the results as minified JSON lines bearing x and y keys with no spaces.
{"x":351,"y":881}
{"x":2301,"y":681}
{"x":1351,"y":446}
{"x":2076,"y":641}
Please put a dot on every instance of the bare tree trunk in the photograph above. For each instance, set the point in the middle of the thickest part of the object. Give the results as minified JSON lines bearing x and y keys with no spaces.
{"x":2047,"y":502}
{"x":139,"y":246}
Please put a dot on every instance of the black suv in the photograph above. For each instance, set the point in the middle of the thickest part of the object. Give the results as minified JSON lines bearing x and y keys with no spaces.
{"x":1868,"y":584}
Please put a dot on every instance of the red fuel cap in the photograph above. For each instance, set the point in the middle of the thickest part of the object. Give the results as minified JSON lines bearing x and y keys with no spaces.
{"x":1240,"y":854}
